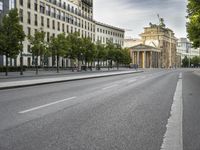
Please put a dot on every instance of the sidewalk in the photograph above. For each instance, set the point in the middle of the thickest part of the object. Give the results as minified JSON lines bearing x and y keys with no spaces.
{"x":64,"y":78}
{"x":42,"y":73}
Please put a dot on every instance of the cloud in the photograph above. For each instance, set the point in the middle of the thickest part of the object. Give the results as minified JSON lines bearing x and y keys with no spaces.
{"x":136,"y":14}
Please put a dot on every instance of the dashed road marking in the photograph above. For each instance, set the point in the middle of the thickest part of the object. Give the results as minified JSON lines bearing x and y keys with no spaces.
{"x":108,"y":87}
{"x":46,"y":105}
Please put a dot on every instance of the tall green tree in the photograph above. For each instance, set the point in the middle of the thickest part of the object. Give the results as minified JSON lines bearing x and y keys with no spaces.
{"x":193,"y":26}
{"x":11,"y":36}
{"x":118,"y":55}
{"x":185,"y":62}
{"x":38,"y":46}
{"x":126,"y":56}
{"x":75,"y":47}
{"x":110,"y":48}
{"x":195,"y":61}
{"x":100,"y":53}
{"x":60,"y":46}
{"x":88,"y":49}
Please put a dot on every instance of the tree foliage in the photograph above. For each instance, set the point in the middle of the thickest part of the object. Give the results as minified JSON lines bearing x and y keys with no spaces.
{"x":195,"y":61}
{"x":193,"y":26}
{"x":59,"y":45}
{"x":88,"y":50}
{"x":11,"y":36}
{"x":38,"y":46}
{"x":185,"y":62}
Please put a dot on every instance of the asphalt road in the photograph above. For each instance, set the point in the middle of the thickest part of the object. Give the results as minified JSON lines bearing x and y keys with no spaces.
{"x":126,"y":112}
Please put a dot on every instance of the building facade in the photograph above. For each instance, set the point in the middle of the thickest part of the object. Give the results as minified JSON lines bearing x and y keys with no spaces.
{"x":130,"y":42}
{"x":105,"y":33}
{"x":55,"y":17}
{"x":163,"y":38}
{"x":146,"y":56}
{"x":184,"y":48}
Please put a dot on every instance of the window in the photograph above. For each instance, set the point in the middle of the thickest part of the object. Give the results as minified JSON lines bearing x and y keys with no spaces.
{"x":29,"y":48}
{"x":60,"y":3}
{"x":36,"y":22}
{"x":71,"y":29}
{"x":75,"y":21}
{"x":48,"y":23}
{"x":58,"y":14}
{"x":63,"y":27}
{"x":29,"y":4}
{"x":42,"y":8}
{"x":67,"y":18}
{"x":58,"y":26}
{"x":72,"y":19}
{"x":63,"y":16}
{"x":64,"y":5}
{"x":53,"y":24}
{"x":35,"y":5}
{"x":68,"y":7}
{"x":48,"y":36}
{"x":42,"y":21}
{"x":21,"y":2}
{"x":29,"y":31}
{"x":48,"y":11}
{"x":67,"y":29}
{"x":21,"y":15}
{"x":76,"y":11}
{"x":53,"y":11}
{"x":29,"y":18}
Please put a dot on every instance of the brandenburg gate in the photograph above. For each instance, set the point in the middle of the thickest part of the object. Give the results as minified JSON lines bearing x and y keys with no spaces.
{"x":146,"y":56}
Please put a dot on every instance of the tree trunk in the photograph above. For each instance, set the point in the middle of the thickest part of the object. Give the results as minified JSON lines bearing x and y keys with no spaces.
{"x":78,"y":64}
{"x":36,"y":65}
{"x":6,"y":73}
{"x":117,"y":66}
{"x":58,"y":63}
{"x":108,"y":64}
{"x":21,"y":63}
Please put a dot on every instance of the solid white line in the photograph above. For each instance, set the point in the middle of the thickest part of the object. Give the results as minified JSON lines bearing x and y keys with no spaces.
{"x":173,"y":139}
{"x":114,"y":85}
{"x":46,"y":105}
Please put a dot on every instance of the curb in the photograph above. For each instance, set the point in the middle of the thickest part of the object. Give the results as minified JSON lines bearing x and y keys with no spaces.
{"x":66,"y":80}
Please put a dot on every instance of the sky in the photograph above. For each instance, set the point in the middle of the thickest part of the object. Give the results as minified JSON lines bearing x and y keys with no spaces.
{"x":136,"y":14}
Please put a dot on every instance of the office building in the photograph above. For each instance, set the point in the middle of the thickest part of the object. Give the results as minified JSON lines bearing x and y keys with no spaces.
{"x":55,"y":17}
{"x":184,"y":47}
{"x":105,"y":33}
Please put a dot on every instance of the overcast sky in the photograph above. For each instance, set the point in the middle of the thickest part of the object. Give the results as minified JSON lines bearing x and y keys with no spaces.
{"x":136,"y":14}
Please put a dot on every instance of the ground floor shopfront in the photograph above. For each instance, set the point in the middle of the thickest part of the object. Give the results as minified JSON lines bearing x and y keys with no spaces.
{"x":146,"y":56}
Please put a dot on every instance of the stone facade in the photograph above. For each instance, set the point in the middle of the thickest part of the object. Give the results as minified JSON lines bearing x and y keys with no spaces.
{"x":105,"y":33}
{"x":164,"y":39}
{"x":55,"y":17}
{"x":185,"y":49}
{"x":132,"y":42}
{"x":145,"y":56}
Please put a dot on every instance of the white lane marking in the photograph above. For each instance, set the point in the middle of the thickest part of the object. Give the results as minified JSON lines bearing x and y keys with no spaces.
{"x":130,"y":81}
{"x":46,"y":105}
{"x":142,"y":77}
{"x":108,"y":87}
{"x":173,"y":138}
